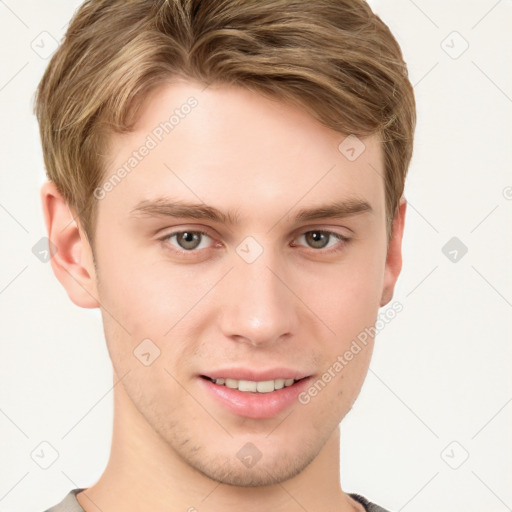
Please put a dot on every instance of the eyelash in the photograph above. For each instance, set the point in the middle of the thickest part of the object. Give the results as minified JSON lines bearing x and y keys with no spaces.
{"x":339,"y":247}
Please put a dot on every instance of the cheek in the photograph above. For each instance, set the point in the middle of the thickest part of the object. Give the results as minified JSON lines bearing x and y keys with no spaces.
{"x":347,"y":297}
{"x":148,"y":308}
{"x":145,"y":295}
{"x":146,"y":363}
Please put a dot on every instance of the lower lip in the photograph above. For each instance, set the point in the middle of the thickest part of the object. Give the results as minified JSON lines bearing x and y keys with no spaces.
{"x":255,"y":405}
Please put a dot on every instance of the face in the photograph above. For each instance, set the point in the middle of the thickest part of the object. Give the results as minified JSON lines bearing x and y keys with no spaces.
{"x":242,"y":244}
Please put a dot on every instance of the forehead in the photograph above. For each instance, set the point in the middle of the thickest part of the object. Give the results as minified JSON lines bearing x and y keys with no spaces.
{"x":226,"y":144}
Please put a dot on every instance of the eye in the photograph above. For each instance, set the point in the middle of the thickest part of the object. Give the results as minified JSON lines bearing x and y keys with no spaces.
{"x":187,"y":240}
{"x":320,"y":239}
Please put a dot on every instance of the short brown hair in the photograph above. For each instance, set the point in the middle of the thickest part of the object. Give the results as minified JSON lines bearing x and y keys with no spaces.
{"x":334,"y":58}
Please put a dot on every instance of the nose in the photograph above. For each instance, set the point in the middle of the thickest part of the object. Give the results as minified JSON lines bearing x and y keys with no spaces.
{"x":257,"y":305}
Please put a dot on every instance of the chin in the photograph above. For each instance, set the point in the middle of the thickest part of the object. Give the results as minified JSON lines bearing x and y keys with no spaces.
{"x":271,"y":468}
{"x":233,"y":473}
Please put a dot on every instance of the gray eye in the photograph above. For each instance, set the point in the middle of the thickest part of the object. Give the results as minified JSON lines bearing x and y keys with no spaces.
{"x":188,"y":240}
{"x":317,"y":239}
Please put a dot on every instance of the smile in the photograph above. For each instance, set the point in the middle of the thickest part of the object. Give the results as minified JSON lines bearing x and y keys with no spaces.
{"x":251,"y":386}
{"x":258,"y":399}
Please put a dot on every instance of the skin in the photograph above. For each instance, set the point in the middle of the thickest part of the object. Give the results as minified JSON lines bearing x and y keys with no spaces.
{"x":297,"y":305}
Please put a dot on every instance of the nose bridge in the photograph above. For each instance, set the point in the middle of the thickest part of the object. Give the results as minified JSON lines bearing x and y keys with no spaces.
{"x":257,"y":306}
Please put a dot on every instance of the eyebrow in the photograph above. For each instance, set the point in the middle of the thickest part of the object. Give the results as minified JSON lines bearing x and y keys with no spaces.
{"x":163,"y":207}
{"x":337,"y":210}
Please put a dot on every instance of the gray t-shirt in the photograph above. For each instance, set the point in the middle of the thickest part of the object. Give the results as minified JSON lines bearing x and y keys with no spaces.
{"x":70,"y":503}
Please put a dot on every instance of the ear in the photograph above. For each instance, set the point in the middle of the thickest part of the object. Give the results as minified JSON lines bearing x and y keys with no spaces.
{"x":394,"y":255}
{"x":70,"y":252}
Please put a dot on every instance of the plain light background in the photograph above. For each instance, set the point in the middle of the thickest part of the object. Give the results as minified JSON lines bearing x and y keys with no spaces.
{"x":431,"y":428}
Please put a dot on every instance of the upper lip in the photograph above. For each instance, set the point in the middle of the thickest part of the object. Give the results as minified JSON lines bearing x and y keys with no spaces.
{"x":255,"y":375}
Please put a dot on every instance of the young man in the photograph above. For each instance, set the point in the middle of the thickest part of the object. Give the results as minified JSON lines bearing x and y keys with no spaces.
{"x":225,"y":184}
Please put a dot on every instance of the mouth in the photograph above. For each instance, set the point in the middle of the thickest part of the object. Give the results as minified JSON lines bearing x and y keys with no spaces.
{"x":251,"y":386}
{"x":257,"y":399}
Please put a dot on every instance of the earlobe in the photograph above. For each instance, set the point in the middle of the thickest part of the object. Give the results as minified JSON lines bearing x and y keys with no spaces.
{"x":394,"y":254}
{"x":71,"y":255}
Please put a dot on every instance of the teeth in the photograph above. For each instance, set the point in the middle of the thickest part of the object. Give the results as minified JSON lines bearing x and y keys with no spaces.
{"x":263,"y":386}
{"x":279,"y":383}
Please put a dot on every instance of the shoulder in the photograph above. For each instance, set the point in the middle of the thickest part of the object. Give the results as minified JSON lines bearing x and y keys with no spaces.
{"x":368,"y":505}
{"x":68,"y":504}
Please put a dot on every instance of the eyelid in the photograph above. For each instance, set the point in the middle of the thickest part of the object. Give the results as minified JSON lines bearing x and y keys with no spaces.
{"x":166,"y":238}
{"x":191,"y":229}
{"x":323,"y":229}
